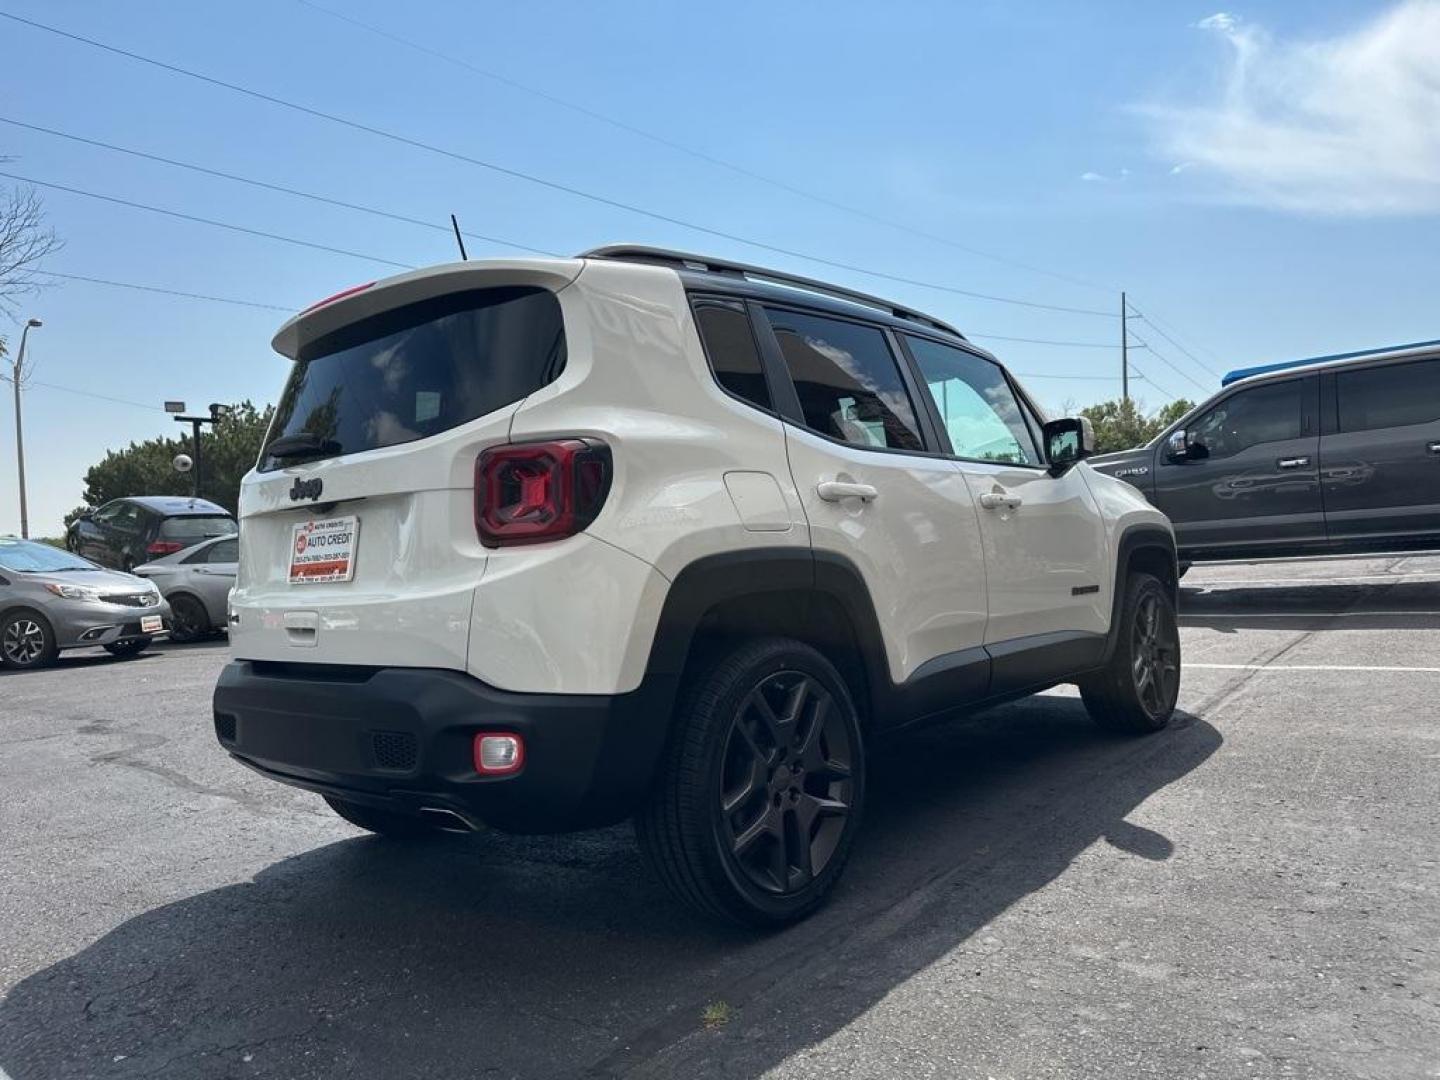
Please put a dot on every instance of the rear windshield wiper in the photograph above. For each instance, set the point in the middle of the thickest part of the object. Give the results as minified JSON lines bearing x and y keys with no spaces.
{"x":302,"y":444}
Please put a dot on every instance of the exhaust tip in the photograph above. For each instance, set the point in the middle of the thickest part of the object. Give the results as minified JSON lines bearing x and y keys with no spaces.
{"x":446,"y":820}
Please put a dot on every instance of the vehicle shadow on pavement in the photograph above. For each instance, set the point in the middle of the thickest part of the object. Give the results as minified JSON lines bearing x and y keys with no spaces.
{"x":558,"y":956}
{"x":1379,"y":606}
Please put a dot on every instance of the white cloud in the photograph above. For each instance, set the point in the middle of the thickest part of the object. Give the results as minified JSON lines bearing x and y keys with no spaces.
{"x":1092,"y":178}
{"x":1221,"y":20}
{"x":1342,"y":125}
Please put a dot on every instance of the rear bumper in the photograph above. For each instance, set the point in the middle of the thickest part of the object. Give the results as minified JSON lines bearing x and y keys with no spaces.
{"x":401,"y":739}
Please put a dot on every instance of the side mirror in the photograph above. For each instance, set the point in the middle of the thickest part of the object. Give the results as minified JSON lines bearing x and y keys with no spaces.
{"x":1180,"y":447}
{"x":88,"y":515}
{"x":1068,"y":441}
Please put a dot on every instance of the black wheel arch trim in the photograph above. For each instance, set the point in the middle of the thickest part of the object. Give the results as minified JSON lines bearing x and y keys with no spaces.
{"x":1143,"y":537}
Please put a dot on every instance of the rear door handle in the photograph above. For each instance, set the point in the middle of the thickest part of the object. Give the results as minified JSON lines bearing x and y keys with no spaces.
{"x":996,"y":500}
{"x":1293,"y":462}
{"x":835,"y":490}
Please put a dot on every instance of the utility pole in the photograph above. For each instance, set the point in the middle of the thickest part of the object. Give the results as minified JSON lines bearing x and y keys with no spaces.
{"x":16,"y":372}
{"x":1124,"y":349}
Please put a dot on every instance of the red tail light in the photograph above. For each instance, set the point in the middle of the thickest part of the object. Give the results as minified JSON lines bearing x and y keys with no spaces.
{"x":527,"y":493}
{"x":164,"y":547}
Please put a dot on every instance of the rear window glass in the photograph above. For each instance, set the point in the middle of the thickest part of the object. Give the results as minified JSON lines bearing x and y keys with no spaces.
{"x":419,"y":370}
{"x":730,"y":347}
{"x":197,"y":528}
{"x":1396,"y":395}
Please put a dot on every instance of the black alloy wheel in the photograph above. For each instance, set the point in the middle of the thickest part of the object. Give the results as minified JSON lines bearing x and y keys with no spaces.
{"x":786,"y":783}
{"x":1155,"y":655}
{"x":189,"y":619}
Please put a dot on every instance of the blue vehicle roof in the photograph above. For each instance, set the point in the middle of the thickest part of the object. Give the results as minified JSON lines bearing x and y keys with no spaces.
{"x":1285,"y":365}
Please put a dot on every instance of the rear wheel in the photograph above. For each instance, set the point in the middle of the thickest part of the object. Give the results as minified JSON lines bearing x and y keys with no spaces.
{"x":27,"y":640}
{"x":383,"y":822}
{"x":128,"y":648}
{"x":1137,"y":691}
{"x":189,"y":619}
{"x":759,"y":793}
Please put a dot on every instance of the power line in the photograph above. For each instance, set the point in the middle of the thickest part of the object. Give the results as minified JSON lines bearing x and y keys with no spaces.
{"x":700,"y":155}
{"x":209,"y":221}
{"x":167,"y":292}
{"x":268,"y":186}
{"x":553,"y":185}
{"x":393,"y":216}
{"x":92,"y":394}
{"x":1044,"y":341}
{"x":1140,"y":374}
{"x":1159,"y":330}
{"x":1164,"y":360}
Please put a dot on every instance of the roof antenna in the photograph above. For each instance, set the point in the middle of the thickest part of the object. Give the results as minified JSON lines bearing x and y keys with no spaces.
{"x":456,"y":225}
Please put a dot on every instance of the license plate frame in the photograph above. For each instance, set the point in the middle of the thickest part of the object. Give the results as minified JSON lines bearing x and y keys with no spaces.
{"x":323,"y":552}
{"x":151,"y":624}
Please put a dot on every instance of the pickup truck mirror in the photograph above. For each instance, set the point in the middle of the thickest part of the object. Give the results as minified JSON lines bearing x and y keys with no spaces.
{"x":1181,"y":447}
{"x":1068,"y":441}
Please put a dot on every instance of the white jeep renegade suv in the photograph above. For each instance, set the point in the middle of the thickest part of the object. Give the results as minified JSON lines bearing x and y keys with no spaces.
{"x":546,"y":544}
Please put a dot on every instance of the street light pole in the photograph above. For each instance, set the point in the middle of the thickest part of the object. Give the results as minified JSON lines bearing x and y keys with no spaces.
{"x":15,"y":373}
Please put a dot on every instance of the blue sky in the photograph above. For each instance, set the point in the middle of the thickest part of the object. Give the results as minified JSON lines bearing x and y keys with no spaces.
{"x":1263,"y":179}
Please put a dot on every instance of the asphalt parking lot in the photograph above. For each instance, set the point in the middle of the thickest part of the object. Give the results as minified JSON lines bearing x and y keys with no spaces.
{"x":1253,"y":893}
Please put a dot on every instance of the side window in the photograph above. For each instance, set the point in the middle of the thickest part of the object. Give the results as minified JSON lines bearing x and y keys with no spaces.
{"x":1260,"y":415}
{"x":107,"y":514}
{"x":730,"y":347}
{"x":976,"y":404}
{"x":129,"y":519}
{"x":1392,"y":396}
{"x":226,"y":551}
{"x":847,"y":380}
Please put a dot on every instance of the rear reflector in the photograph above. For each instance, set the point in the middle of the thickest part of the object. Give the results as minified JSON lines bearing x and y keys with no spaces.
{"x":164,"y":547}
{"x":498,"y":755}
{"x":527,"y":493}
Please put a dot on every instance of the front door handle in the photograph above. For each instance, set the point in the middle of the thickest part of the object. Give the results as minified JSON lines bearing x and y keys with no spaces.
{"x":1293,"y":462}
{"x":997,"y":500}
{"x":1435,"y":448}
{"x":835,"y":490}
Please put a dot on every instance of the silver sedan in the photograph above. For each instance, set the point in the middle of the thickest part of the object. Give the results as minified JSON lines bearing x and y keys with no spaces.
{"x":52,"y":600}
{"x":197,"y":583}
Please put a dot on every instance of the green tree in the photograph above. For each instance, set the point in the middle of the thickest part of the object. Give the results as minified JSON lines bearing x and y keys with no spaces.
{"x":1120,"y":425}
{"x":228,"y":451}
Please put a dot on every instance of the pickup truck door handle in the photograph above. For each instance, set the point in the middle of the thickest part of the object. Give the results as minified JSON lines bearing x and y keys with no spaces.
{"x":1293,"y":462}
{"x":1434,"y":448}
{"x":835,"y":490}
{"x":997,"y":500}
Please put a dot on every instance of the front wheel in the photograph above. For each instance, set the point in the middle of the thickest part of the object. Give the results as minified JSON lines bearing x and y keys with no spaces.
{"x":128,"y":648}
{"x":760,"y":789}
{"x":1136,"y":692}
{"x":27,"y":641}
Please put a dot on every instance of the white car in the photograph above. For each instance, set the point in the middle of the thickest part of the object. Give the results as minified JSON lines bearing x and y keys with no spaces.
{"x":546,"y":544}
{"x":197,"y":582}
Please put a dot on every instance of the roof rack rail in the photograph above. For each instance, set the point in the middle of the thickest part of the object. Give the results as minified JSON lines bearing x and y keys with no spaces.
{"x":685,"y":261}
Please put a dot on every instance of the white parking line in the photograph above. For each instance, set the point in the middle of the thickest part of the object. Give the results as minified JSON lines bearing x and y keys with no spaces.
{"x":1309,"y":667}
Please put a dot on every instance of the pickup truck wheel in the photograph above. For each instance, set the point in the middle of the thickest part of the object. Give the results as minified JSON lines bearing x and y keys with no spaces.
{"x":1137,"y":691}
{"x":759,"y":792}
{"x":385,"y":823}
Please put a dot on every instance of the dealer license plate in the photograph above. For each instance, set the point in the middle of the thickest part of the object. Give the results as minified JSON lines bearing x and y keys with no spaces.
{"x":322,"y":551}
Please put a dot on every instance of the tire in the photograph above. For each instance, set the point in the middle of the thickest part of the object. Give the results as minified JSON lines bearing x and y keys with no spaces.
{"x":128,"y":648}
{"x":27,"y":641}
{"x":759,"y":792}
{"x":385,"y":823}
{"x":190,"y":619}
{"x":1137,"y":690}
